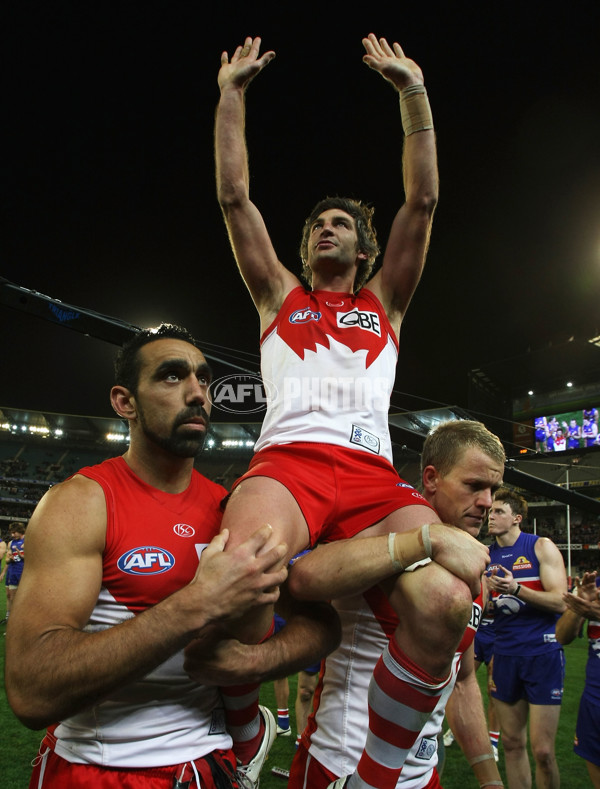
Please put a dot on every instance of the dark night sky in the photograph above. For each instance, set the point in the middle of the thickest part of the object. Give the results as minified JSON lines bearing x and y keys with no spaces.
{"x":108,"y":198}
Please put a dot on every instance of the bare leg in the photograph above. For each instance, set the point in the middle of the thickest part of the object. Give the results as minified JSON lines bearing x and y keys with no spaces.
{"x":304,"y":698}
{"x":513,"y":724}
{"x":594,"y":772}
{"x":256,"y":501}
{"x":434,"y":608}
{"x":543,"y":725}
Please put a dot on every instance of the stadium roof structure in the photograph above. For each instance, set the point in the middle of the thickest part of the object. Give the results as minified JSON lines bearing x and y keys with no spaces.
{"x":544,"y":369}
{"x":507,"y":378}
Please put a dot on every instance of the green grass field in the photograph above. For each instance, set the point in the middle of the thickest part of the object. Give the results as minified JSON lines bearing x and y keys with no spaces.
{"x":18,"y":745}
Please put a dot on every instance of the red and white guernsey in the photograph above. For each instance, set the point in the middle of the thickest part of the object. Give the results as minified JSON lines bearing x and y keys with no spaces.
{"x":337,"y":729}
{"x":328,"y":364}
{"x":153,"y":542}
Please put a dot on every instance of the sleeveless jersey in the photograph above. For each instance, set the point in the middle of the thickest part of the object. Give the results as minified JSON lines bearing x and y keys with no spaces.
{"x":153,"y":542}
{"x":574,"y":433}
{"x":592,"y":669}
{"x":337,"y":729}
{"x":589,"y":432}
{"x":14,"y":568}
{"x":328,"y":364}
{"x":521,"y":629}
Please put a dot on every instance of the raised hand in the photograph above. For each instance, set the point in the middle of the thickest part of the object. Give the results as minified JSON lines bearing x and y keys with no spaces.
{"x":391,"y":62}
{"x":244,"y":65}
{"x":585,"y":601}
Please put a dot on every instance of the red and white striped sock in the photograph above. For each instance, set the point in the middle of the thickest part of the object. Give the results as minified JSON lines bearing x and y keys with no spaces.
{"x":242,"y":719}
{"x":401,"y":699}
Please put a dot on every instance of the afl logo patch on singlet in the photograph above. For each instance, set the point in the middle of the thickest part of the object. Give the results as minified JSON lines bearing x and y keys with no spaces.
{"x":304,"y":316}
{"x":146,"y":560}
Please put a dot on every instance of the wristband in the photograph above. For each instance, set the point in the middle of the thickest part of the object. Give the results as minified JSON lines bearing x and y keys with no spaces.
{"x":491,"y":783}
{"x":484,"y":757}
{"x":517,"y":590}
{"x":406,"y":548}
{"x":415,"y":110}
{"x":398,"y":568}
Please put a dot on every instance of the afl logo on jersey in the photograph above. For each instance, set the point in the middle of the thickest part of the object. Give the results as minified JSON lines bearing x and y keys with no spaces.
{"x":146,"y":560}
{"x":304,"y":316}
{"x":184,"y":530}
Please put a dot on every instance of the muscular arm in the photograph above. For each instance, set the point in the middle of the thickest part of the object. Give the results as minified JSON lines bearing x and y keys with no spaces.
{"x":406,"y":249}
{"x":266,"y":278}
{"x":552,"y":576}
{"x":466,"y":716}
{"x":311,"y":632}
{"x":352,"y":566}
{"x":54,"y":667}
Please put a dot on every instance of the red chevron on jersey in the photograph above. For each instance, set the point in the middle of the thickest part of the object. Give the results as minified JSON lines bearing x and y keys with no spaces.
{"x":311,"y":318}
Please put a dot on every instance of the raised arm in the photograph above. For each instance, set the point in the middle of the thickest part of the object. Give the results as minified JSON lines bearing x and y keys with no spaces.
{"x":54,"y":667}
{"x":266,"y":278}
{"x":404,"y":256}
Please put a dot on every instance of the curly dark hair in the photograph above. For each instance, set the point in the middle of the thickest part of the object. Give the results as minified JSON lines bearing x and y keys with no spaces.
{"x":367,"y":236}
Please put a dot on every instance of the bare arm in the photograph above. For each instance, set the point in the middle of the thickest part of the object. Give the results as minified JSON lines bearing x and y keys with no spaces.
{"x":266,"y":278}
{"x":405,"y":253}
{"x":581,"y":605}
{"x":466,"y":716}
{"x":311,"y":632}
{"x":6,"y":559}
{"x":552,"y":576}
{"x":54,"y":667}
{"x":352,"y":566}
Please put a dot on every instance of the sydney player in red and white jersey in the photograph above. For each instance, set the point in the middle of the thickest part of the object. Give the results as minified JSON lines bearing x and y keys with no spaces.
{"x":323,"y":470}
{"x":99,"y":660}
{"x":459,"y":476}
{"x":460,"y":464}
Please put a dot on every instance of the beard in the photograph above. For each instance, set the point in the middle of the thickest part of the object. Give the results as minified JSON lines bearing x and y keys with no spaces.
{"x":182,"y":441}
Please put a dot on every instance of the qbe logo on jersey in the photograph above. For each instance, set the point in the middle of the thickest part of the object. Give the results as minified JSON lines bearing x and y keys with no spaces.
{"x":369,"y":321}
{"x":146,"y":560}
